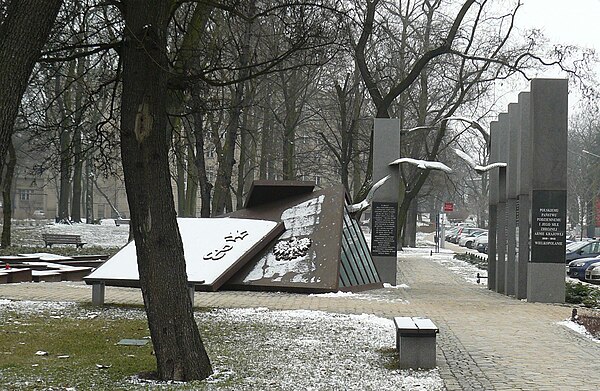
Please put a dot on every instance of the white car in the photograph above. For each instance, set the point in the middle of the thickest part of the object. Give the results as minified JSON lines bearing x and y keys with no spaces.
{"x":592,"y":273}
{"x":467,"y":241}
{"x":481,"y":239}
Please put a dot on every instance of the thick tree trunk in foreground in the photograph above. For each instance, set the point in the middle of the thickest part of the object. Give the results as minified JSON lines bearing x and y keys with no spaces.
{"x":180,"y":354}
{"x":23,"y":32}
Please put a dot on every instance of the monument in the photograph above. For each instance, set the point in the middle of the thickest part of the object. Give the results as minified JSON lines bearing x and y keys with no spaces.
{"x":548,"y":123}
{"x":528,"y":198}
{"x":501,"y":208}
{"x":384,"y":212}
{"x":512,"y":215}
{"x":493,"y":206}
{"x":288,"y":237}
{"x":523,"y":187}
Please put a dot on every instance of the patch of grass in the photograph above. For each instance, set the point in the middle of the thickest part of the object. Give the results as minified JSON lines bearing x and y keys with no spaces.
{"x":390,"y":357}
{"x":472,"y":259}
{"x":87,"y":342}
{"x":578,"y":293}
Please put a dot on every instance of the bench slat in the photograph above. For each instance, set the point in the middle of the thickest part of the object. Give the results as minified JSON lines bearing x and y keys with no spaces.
{"x":404,"y":322}
{"x":415,"y":325}
{"x":425,"y":324}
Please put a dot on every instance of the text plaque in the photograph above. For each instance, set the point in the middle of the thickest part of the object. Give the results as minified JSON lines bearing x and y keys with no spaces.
{"x":548,"y":226}
{"x":384,"y":227}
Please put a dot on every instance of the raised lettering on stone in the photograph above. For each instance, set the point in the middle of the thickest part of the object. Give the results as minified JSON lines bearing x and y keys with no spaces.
{"x":548,"y":226}
{"x":384,"y":240}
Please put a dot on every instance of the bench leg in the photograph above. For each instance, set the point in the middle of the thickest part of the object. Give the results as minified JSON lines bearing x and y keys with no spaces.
{"x":98,"y":294}
{"x":417,"y":352}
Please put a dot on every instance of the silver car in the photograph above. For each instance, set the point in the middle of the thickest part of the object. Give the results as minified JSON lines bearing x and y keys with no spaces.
{"x":592,"y":273}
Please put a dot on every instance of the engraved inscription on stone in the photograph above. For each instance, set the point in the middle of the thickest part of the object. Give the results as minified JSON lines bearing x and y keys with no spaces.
{"x":548,"y":226}
{"x":383,"y":237}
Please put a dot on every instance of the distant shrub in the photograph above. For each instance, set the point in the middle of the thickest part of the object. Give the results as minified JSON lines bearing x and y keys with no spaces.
{"x":578,"y":293}
{"x":472,"y":259}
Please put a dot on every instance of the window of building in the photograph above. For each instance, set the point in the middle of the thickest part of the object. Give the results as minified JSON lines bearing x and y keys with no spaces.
{"x":25,"y":194}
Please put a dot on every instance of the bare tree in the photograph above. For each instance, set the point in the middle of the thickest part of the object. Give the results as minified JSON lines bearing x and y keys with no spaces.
{"x":24,"y":29}
{"x":180,"y":353}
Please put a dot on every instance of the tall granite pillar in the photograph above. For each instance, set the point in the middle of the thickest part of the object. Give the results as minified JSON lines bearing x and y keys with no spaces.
{"x":493,"y":206}
{"x":524,"y":187}
{"x":548,"y":121}
{"x":501,"y":209}
{"x":511,"y":198}
{"x":384,"y":209}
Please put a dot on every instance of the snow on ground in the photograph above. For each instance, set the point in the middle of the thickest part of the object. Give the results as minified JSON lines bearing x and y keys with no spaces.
{"x":445,"y":257}
{"x":105,"y":234}
{"x":314,"y":350}
{"x":261,"y":349}
{"x":462,"y":268}
{"x":580,"y":329}
{"x":283,"y":350}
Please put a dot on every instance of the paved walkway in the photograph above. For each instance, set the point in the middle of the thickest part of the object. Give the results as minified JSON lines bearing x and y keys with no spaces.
{"x":487,"y":341}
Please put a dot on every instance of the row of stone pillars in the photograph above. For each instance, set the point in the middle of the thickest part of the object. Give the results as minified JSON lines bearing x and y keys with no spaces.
{"x":527,"y":203}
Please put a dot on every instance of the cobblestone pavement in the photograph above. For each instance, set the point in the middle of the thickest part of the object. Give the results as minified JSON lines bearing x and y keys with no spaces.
{"x":487,"y":341}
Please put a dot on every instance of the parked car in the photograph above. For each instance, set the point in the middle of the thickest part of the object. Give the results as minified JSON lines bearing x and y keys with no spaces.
{"x":467,"y":240}
{"x":578,"y":267}
{"x":450,"y":233}
{"x":481,"y":243}
{"x":585,"y":249}
{"x":592,"y":273}
{"x":39,"y":214}
{"x":465,"y":231}
{"x":483,"y":247}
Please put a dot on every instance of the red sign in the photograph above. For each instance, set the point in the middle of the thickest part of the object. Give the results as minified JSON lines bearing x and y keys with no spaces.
{"x":448,"y":207}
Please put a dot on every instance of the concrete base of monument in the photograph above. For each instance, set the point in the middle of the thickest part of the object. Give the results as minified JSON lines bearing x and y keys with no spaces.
{"x":546,"y":282}
{"x":386,"y":267}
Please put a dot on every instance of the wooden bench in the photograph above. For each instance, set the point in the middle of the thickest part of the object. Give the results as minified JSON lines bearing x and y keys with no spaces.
{"x":119,"y":222}
{"x":415,"y":342}
{"x":50,"y":239}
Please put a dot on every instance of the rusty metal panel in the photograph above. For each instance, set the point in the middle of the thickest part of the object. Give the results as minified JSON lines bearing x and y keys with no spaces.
{"x":265,"y":192}
{"x":306,"y":257}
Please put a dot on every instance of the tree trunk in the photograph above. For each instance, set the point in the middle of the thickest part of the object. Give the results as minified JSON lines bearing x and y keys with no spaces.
{"x":200,"y":162}
{"x":65,"y":176}
{"x":24,"y":30}
{"x":410,"y":233}
{"x":6,"y":199}
{"x":179,"y":151}
{"x":265,"y":167}
{"x":222,"y":195}
{"x":77,"y":143}
{"x":77,"y":178}
{"x":180,"y":353}
{"x":191,"y":194}
{"x":89,"y":190}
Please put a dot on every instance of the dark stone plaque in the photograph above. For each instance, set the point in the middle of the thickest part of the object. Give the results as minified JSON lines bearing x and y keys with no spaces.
{"x":548,"y":226}
{"x":384,"y":227}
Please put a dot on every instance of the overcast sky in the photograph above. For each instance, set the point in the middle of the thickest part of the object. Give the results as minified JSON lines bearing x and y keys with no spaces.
{"x":564,"y":21}
{"x":574,"y":22}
